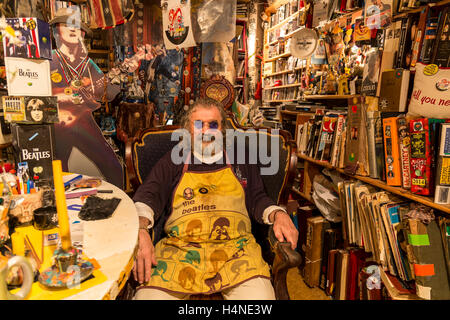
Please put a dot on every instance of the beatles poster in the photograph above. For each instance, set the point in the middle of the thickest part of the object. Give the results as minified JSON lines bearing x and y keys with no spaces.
{"x":177,"y":27}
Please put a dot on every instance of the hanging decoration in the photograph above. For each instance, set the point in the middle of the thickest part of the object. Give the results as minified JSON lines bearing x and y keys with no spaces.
{"x":177,"y":28}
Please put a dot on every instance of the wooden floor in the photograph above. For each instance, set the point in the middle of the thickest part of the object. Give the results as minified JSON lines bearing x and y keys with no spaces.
{"x":298,"y":290}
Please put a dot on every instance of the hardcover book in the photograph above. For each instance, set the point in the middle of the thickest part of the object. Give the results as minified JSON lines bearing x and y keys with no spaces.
{"x":371,"y":72}
{"x":356,"y":154}
{"x":442,"y":192}
{"x":391,"y":152}
{"x":373,"y":118}
{"x":404,"y":148}
{"x":426,"y":54}
{"x":394,"y":90}
{"x":340,"y":126}
{"x":420,"y":156}
{"x":328,"y":131}
{"x":441,"y":54}
{"x":419,"y":36}
{"x":35,"y":144}
{"x":30,"y":109}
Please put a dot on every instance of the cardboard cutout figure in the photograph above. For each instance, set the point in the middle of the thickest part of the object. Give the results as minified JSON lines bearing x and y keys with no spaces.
{"x":79,"y":85}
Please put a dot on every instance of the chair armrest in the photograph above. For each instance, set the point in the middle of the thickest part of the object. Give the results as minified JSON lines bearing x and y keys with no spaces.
{"x":285,"y":258}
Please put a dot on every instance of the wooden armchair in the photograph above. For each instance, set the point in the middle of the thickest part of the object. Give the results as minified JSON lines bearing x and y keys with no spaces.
{"x":150,"y":145}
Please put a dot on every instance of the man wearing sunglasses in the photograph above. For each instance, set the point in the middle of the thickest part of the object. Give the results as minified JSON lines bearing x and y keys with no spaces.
{"x":218,"y":196}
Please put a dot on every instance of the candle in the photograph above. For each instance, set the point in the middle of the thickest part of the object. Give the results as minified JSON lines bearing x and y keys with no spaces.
{"x":61,"y":207}
{"x":18,"y":244}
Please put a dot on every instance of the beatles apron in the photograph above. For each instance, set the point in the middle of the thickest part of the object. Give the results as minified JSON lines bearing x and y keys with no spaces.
{"x":209,"y":246}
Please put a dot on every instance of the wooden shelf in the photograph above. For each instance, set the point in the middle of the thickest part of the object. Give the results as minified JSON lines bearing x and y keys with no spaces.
{"x":275,"y":5}
{"x":330,"y":96}
{"x":288,"y":100}
{"x":284,"y":55}
{"x":290,"y":34}
{"x":283,"y":72}
{"x":98,"y":51}
{"x":285,"y":86}
{"x":418,"y":9}
{"x":282,"y":22}
{"x":294,"y":113}
{"x":428,"y":201}
{"x":303,"y":195}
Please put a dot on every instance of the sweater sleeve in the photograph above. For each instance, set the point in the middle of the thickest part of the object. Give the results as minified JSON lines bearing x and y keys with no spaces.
{"x":157,"y":189}
{"x":256,"y":198}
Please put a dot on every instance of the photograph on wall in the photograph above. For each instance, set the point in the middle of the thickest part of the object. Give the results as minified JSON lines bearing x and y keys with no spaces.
{"x":378,"y":13}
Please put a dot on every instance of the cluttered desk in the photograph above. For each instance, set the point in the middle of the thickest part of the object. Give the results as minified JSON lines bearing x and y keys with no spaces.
{"x":81,"y":249}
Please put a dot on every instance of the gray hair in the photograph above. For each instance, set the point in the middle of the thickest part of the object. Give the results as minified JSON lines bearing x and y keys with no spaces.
{"x":204,"y":103}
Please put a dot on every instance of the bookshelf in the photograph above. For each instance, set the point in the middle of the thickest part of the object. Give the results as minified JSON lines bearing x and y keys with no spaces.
{"x":420,"y":8}
{"x":241,"y":62}
{"x":377,"y":183}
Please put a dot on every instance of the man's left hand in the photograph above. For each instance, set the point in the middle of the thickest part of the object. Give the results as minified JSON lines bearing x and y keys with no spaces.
{"x":284,"y":228}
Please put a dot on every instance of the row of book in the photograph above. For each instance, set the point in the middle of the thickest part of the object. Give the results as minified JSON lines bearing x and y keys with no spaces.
{"x":383,"y":243}
{"x":412,"y":153}
{"x":285,"y":10}
{"x":423,"y":37}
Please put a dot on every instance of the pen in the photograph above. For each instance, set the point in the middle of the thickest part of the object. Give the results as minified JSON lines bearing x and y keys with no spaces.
{"x":68,"y":183}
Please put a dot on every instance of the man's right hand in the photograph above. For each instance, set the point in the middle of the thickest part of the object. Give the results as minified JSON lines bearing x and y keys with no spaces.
{"x":145,"y":257}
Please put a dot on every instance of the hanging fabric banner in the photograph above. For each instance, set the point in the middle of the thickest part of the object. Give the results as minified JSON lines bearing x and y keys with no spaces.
{"x":177,"y":28}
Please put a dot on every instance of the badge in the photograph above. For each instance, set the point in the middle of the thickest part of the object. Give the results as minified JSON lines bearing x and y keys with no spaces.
{"x":76,"y":83}
{"x":203,"y":190}
{"x":68,"y":91}
{"x":430,"y":70}
{"x":76,"y":99}
{"x":443,"y":85}
{"x":56,"y":77}
{"x":188,"y":193}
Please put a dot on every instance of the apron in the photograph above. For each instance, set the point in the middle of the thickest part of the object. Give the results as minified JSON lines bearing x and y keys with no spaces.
{"x":209,"y":246}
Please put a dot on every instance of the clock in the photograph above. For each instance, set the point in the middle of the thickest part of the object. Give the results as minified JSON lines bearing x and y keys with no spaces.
{"x":304,"y":43}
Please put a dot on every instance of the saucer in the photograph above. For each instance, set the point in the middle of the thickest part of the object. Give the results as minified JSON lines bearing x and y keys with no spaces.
{"x":52,"y":278}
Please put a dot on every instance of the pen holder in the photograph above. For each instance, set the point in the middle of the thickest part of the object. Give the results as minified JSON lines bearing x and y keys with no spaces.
{"x":65,"y":259}
{"x":45,"y":218}
{"x":23,"y":205}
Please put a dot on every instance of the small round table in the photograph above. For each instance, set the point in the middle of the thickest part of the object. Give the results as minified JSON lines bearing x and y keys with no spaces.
{"x":112,"y":242}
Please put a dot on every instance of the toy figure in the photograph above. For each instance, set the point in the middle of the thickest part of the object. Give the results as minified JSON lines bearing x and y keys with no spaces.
{"x":343,"y":84}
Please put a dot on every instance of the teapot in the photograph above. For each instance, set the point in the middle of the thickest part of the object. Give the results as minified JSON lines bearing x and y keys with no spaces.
{"x":5,"y":267}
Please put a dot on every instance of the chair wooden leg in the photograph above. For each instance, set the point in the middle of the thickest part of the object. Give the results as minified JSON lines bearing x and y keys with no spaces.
{"x":285,"y":258}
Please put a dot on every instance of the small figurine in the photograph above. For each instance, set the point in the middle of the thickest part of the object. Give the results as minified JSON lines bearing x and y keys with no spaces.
{"x":343,"y":84}
{"x":330,"y":86}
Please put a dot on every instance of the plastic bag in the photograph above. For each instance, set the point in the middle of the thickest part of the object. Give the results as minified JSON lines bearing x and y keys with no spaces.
{"x":326,"y":200}
{"x":214,"y":20}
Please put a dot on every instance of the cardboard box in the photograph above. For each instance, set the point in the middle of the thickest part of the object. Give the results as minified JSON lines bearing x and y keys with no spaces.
{"x":27,"y":38}
{"x":30,"y":109}
{"x":28,"y":77}
{"x":313,"y":249}
{"x":35,"y":144}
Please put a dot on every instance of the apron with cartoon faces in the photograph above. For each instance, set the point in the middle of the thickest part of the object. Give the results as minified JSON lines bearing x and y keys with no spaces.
{"x":210,"y":246}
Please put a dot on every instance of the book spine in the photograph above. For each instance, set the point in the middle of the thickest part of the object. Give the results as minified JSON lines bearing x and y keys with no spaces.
{"x":379,"y":149}
{"x":337,"y":140}
{"x":418,"y":39}
{"x":442,"y":43}
{"x":420,"y":156}
{"x":390,"y":131}
{"x":404,"y":144}
{"x":428,"y":41}
{"x":371,"y":119}
{"x":442,"y":192}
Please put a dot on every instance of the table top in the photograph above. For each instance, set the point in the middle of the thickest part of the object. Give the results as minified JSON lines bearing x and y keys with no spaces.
{"x":112,"y":242}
